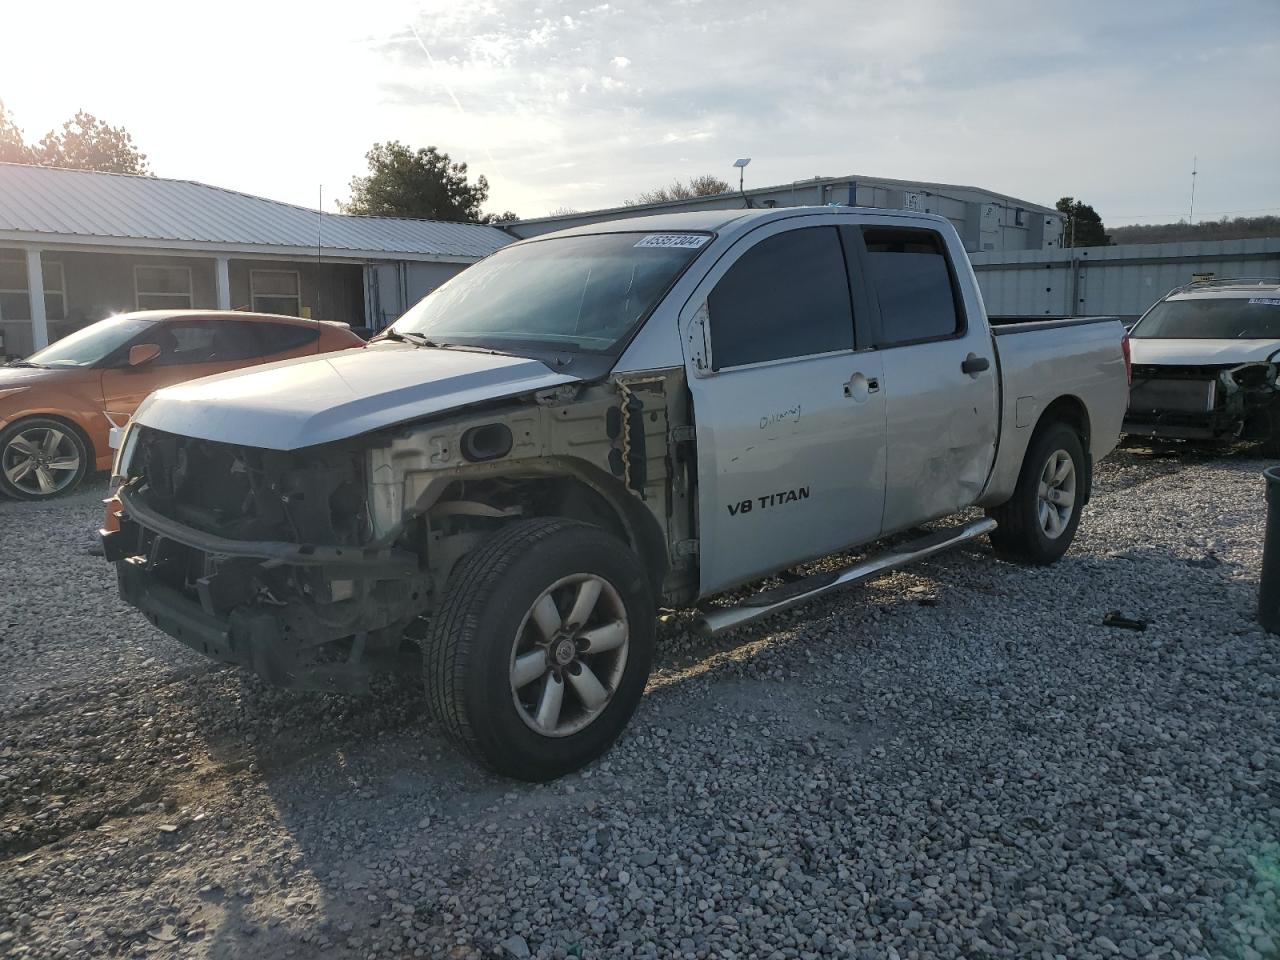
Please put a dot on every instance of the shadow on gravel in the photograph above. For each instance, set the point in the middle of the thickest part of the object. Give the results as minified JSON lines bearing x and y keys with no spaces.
{"x":353,"y":793}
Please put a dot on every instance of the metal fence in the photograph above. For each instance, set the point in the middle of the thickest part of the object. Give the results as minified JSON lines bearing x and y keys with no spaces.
{"x":1121,"y":280}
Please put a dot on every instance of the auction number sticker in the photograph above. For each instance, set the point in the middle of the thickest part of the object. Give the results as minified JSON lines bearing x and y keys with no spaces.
{"x":1268,"y":301}
{"x":678,"y":241}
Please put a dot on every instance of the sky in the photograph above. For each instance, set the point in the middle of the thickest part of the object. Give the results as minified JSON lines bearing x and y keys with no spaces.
{"x":583,"y":105}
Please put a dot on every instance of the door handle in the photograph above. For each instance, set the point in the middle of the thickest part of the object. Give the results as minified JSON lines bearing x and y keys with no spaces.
{"x":860,"y":382}
{"x":974,"y":364}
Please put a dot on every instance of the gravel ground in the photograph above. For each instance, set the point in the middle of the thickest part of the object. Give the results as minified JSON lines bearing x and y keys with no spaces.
{"x":958,"y":761}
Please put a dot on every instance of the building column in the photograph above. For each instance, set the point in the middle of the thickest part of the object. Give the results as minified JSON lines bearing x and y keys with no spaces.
{"x":35,"y":294}
{"x":222,"y":281}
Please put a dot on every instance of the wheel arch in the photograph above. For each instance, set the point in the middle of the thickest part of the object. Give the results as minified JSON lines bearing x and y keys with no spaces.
{"x":61,"y":417}
{"x":578,"y":490}
{"x":585,"y":489}
{"x":1070,"y":410}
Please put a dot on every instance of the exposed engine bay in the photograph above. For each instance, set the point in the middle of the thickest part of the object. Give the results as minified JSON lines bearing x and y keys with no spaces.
{"x":1223,"y":402}
{"x":312,"y":566}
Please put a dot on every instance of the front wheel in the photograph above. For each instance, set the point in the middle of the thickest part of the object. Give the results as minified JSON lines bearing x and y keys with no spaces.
{"x":540,"y":650}
{"x":1038,"y":523}
{"x":41,"y":458}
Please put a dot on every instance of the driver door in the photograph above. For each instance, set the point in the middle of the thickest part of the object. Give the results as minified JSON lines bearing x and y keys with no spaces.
{"x":788,"y":403}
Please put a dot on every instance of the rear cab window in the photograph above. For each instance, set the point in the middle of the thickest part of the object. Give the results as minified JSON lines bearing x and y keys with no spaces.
{"x":915,"y":284}
{"x":787,"y":296}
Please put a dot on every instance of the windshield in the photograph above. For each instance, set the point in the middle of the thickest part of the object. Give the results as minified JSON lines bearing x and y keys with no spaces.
{"x":91,"y":345}
{"x":580,"y":294}
{"x":1224,"y":318}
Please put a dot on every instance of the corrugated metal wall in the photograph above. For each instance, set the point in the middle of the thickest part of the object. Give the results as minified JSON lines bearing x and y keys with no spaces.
{"x":1122,"y":280}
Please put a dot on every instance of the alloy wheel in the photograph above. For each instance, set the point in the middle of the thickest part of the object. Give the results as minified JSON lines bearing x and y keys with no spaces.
{"x":569,"y":655}
{"x":41,"y":461}
{"x":1056,"y":494}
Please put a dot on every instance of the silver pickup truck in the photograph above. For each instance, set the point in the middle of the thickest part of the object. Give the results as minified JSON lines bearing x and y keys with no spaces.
{"x":594,"y":423}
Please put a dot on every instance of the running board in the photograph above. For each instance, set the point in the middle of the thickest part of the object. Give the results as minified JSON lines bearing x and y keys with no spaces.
{"x":789,"y":595}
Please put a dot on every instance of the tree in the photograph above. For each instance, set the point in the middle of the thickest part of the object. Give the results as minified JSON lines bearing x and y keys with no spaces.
{"x":87,"y":143}
{"x":13,"y":149}
{"x":425,"y":184}
{"x":706,"y":185}
{"x":1228,"y":228}
{"x":506,"y":216}
{"x":1083,"y":227}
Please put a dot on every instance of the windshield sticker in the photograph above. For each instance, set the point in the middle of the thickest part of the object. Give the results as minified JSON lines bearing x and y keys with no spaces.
{"x":679,"y":241}
{"x":1267,"y":301}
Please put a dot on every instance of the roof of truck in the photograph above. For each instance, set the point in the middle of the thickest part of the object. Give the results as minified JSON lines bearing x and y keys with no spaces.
{"x":718,"y":220}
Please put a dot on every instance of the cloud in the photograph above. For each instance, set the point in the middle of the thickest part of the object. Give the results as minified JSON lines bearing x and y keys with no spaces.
{"x":1106,"y":101}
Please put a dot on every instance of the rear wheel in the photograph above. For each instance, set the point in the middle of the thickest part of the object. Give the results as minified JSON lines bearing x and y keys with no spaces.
{"x":541,"y":648}
{"x":1038,"y":523}
{"x":41,"y":458}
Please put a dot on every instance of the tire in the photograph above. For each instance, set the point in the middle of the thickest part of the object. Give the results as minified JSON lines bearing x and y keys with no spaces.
{"x":41,"y":458}
{"x":1038,"y":530}
{"x":495,"y":670}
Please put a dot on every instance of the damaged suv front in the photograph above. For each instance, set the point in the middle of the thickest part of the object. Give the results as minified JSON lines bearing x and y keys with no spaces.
{"x":1205,"y":364}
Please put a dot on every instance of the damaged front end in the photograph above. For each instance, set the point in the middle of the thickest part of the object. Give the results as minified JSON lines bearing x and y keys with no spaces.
{"x":310,"y":566}
{"x":1210,"y":403}
{"x":262,"y":558}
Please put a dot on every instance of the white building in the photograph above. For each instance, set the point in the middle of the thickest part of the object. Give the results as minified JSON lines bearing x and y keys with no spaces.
{"x":987,"y":221}
{"x":103,"y":243}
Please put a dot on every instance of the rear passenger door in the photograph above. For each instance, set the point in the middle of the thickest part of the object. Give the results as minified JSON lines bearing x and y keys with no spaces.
{"x":790,"y":416}
{"x":940,"y":378}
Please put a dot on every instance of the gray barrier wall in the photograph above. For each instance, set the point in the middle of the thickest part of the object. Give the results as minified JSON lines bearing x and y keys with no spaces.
{"x":1121,"y":280}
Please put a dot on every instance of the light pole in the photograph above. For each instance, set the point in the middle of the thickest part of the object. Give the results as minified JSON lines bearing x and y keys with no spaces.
{"x":742,"y":168}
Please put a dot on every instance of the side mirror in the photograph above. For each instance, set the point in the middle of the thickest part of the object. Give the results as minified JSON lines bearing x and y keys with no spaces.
{"x":143,"y":353}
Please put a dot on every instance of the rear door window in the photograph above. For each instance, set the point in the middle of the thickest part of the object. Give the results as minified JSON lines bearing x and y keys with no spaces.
{"x":788,"y":296}
{"x":283,"y":337}
{"x":915,"y":285}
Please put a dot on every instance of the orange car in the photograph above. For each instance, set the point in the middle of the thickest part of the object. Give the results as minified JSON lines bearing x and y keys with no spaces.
{"x":58,"y":406}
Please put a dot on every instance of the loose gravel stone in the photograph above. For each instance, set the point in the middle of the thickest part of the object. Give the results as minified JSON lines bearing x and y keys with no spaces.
{"x":993,"y":773}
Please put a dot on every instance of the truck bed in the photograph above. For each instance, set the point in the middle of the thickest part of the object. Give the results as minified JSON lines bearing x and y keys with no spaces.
{"x":1079,"y":358}
{"x":1005,"y":325}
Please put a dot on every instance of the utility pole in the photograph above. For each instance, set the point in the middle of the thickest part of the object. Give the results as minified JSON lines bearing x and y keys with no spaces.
{"x":1191,"y":217}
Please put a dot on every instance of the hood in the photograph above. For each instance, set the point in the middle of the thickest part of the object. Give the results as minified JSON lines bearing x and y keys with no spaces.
{"x":11,"y":377}
{"x":314,"y":400}
{"x":1190,"y":353}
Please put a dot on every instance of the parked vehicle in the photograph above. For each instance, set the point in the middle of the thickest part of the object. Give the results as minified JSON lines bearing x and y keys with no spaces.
{"x":1204,"y":364}
{"x":59,"y":406}
{"x":593,"y":422}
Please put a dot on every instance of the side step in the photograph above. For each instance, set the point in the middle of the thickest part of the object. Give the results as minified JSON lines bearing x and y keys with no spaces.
{"x":790,"y":595}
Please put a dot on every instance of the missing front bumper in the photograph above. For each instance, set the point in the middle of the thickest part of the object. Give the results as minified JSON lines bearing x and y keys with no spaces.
{"x":257,"y":642}
{"x":216,"y":597}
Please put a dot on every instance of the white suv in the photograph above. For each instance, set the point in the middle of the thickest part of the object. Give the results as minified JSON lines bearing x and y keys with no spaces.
{"x":1204,"y":364}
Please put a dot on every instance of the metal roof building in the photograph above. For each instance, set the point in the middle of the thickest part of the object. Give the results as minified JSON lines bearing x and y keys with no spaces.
{"x":986,"y":221}
{"x":100,"y":243}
